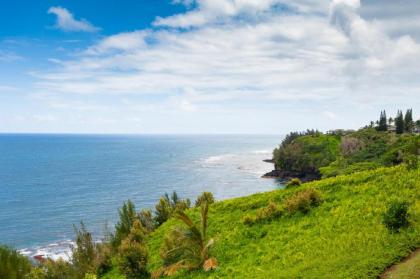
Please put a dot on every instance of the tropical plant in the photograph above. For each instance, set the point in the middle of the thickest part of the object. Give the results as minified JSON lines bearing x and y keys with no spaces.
{"x":205,"y":197}
{"x":396,"y":216}
{"x":188,"y":246}
{"x":12,"y":264}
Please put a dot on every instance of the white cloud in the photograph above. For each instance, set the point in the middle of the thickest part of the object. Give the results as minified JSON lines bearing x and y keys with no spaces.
{"x":67,"y":22}
{"x":244,"y":56}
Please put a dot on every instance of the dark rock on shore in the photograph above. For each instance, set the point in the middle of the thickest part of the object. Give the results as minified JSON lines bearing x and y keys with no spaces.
{"x":288,"y":175}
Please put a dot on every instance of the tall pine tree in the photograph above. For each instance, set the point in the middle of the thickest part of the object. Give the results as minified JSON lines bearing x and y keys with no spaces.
{"x":399,"y":123}
{"x":382,"y":125}
{"x":408,"y":121}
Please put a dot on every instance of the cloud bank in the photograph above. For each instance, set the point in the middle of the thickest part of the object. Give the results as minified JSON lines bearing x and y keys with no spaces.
{"x":241,"y":56}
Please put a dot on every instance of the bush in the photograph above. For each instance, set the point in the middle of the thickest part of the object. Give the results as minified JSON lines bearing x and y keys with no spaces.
{"x":303,"y":201}
{"x":411,"y":161}
{"x":167,"y":206}
{"x":293,"y":182}
{"x":248,"y":220}
{"x":132,"y":253}
{"x":204,"y":197}
{"x":396,"y":216}
{"x":12,"y":264}
{"x":146,"y":218}
{"x":268,"y":213}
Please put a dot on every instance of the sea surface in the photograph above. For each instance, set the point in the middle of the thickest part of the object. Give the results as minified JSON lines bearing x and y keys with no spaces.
{"x":50,"y":182}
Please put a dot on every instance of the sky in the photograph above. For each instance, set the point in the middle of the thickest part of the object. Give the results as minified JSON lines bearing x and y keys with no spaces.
{"x":205,"y":66}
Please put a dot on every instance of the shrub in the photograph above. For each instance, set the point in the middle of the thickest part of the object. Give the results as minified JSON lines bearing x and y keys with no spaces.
{"x":248,"y":220}
{"x":12,"y":264}
{"x":146,"y":219}
{"x":396,"y":216}
{"x":303,"y":201}
{"x":132,"y":253}
{"x":204,"y":197}
{"x":132,"y":259}
{"x":293,"y":182}
{"x":167,"y":206}
{"x":411,"y":161}
{"x":270,"y":212}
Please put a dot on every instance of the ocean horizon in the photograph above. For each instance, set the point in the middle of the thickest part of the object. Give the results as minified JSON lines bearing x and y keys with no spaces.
{"x":51,"y":181}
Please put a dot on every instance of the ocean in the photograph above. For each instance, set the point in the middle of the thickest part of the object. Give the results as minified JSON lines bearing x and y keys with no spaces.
{"x":50,"y":182}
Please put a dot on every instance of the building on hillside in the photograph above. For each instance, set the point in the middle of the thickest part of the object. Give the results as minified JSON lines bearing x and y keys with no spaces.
{"x":392,"y":128}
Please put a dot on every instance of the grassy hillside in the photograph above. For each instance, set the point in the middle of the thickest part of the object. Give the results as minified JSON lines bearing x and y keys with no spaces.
{"x":342,"y":238}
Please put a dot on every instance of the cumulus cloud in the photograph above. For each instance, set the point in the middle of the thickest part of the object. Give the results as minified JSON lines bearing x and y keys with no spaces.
{"x":66,"y":21}
{"x":298,"y":54}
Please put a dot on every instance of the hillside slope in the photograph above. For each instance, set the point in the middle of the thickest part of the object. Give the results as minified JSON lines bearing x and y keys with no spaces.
{"x":342,"y":238}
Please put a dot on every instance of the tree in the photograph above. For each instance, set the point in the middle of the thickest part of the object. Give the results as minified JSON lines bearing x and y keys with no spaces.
{"x":390,"y":121}
{"x":399,"y":123}
{"x":382,"y":124}
{"x":408,"y":121}
{"x":84,"y":253}
{"x":13,"y":265}
{"x":122,"y":228}
{"x":188,"y":247}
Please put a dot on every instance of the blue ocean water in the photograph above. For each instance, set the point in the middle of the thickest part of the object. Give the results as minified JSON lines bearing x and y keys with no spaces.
{"x":50,"y":182}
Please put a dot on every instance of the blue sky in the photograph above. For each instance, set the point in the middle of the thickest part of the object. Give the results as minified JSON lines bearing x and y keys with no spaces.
{"x":205,"y":66}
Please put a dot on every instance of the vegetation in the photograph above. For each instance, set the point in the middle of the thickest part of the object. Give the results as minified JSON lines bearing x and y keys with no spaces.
{"x":12,"y":264}
{"x":396,"y":216}
{"x":205,"y":197}
{"x":293,"y":182}
{"x":187,"y":247}
{"x":357,"y":221}
{"x":344,"y":235}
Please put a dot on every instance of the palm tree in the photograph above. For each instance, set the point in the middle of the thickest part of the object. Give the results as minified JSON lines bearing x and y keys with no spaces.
{"x":188,"y":246}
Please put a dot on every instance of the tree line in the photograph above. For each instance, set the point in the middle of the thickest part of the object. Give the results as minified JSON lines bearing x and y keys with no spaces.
{"x":403,"y":123}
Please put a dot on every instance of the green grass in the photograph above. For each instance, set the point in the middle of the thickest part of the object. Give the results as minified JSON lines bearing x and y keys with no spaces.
{"x":409,"y":269}
{"x":342,"y":238}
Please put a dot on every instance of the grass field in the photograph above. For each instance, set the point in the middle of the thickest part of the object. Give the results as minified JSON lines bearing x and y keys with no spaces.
{"x":342,"y":238}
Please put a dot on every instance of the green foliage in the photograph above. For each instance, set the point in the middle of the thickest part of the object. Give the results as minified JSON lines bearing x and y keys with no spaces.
{"x":84,"y":252}
{"x":306,"y":154}
{"x":383,"y":125}
{"x":396,"y":216}
{"x":187,"y":246}
{"x":399,"y":123}
{"x":408,"y":121}
{"x":132,"y":253}
{"x":127,"y":215}
{"x":204,"y":197}
{"x":268,"y":213}
{"x":59,"y":269}
{"x":411,"y":161}
{"x":146,"y":219}
{"x":294,"y":182}
{"x":303,"y":201}
{"x":167,"y":206}
{"x":12,"y":264}
{"x":343,"y":238}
